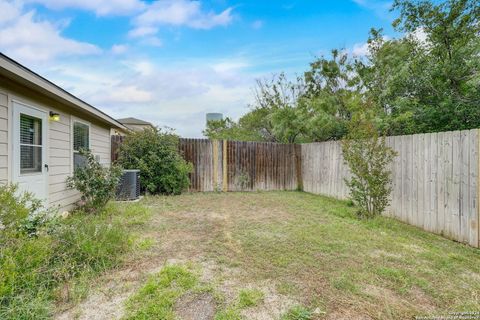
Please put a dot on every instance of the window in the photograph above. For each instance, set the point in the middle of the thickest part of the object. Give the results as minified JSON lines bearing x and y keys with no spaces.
{"x":81,"y":136}
{"x":81,"y":140}
{"x":30,"y":144}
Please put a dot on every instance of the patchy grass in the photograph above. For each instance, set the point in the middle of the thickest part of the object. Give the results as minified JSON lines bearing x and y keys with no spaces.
{"x":293,"y":255}
{"x":230,"y":313}
{"x":317,"y":253}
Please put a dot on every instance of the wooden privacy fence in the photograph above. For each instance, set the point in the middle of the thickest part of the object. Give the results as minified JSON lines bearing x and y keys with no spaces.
{"x":115,"y":145}
{"x":435,"y":176}
{"x":237,"y":166}
{"x":242,"y":166}
{"x":435,"y":180}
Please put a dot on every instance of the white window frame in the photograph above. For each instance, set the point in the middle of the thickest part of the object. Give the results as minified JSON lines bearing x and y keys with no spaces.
{"x":72,"y":151}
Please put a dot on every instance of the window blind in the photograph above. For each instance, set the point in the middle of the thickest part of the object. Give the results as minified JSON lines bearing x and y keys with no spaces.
{"x":30,"y":144}
{"x":80,"y":136}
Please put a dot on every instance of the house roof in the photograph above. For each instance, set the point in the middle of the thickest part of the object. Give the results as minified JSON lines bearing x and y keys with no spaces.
{"x":134,"y":121}
{"x":13,"y":70}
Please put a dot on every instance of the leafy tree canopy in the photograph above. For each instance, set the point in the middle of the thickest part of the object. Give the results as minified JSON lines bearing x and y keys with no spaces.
{"x":428,"y":80}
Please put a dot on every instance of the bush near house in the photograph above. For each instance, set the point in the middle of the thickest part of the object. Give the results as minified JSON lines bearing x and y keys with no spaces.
{"x":155,"y":153}
{"x":96,"y":182}
{"x":21,"y":212}
{"x":44,"y":257}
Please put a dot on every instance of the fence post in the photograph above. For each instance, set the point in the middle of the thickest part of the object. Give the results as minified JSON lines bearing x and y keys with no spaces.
{"x":298,"y":165}
{"x":215,"y":164}
{"x":478,"y":189}
{"x":225,"y":167}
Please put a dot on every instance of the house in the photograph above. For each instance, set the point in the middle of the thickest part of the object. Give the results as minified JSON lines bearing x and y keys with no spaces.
{"x":42,"y":127}
{"x":135,"y":124}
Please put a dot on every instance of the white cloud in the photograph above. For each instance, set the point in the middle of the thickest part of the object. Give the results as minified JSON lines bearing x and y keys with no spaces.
{"x":176,"y":95}
{"x":122,"y":95}
{"x":229,"y":66}
{"x":360,"y":49}
{"x":141,"y":67}
{"x":119,"y":48}
{"x":29,"y":39}
{"x":178,"y":13}
{"x":142,"y":32}
{"x":100,"y":7}
{"x":152,"y":41}
{"x":257,"y":24}
{"x":9,"y":11}
{"x":420,"y":35}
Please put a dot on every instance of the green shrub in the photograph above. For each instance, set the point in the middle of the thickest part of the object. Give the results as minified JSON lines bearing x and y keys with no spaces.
{"x":20,"y":212}
{"x":369,"y":159}
{"x":16,"y":207}
{"x":96,"y":183}
{"x":155,"y":153}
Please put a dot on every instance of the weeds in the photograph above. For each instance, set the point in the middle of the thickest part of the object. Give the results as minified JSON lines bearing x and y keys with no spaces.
{"x":32,"y":269}
{"x":250,"y":298}
{"x":298,"y":313}
{"x":156,"y":299}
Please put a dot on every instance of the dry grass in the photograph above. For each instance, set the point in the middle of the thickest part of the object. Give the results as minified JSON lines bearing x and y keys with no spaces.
{"x":304,"y":250}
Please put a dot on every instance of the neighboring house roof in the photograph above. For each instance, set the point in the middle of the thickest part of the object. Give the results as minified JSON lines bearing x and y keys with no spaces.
{"x":134,"y":121}
{"x":13,"y":70}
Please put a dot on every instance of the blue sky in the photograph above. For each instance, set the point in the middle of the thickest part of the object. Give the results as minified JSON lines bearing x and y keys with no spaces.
{"x":171,"y":61}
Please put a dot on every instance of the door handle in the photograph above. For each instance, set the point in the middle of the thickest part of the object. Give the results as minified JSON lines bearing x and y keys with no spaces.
{"x":46,"y":167}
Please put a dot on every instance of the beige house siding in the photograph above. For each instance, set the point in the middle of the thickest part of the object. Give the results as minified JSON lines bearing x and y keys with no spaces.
{"x":3,"y":138}
{"x":100,"y":142}
{"x":60,"y":149}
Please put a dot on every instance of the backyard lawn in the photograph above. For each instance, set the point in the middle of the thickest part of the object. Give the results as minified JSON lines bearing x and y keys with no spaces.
{"x":281,"y":255}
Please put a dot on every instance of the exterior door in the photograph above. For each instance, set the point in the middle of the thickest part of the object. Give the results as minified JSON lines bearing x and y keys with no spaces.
{"x":30,"y":169}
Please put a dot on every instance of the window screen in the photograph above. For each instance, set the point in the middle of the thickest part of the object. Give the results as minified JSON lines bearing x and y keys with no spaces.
{"x":80,"y":136}
{"x":30,"y":144}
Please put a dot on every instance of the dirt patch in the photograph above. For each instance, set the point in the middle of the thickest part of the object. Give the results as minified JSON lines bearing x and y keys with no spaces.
{"x":388,"y":297}
{"x":107,"y":300}
{"x":274,"y":305}
{"x":97,"y":307}
{"x":471,"y":276}
{"x":195,"y":307}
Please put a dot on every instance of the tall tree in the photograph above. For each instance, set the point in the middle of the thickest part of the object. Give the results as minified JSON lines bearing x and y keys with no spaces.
{"x":333,"y":91}
{"x":445,"y":62}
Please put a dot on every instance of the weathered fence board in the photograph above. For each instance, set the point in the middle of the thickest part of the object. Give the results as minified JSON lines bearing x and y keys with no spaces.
{"x":115,"y":145}
{"x":242,"y":166}
{"x":434,"y":180}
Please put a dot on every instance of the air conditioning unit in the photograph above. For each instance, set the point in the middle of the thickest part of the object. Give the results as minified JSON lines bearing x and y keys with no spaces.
{"x":129,"y":187}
